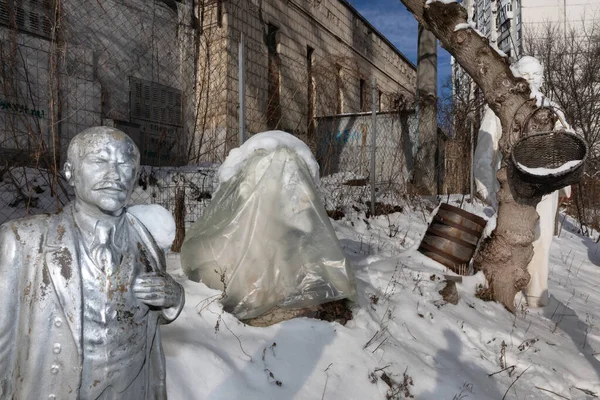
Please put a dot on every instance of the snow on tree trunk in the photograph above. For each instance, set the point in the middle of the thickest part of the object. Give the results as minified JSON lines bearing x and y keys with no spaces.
{"x":505,"y":255}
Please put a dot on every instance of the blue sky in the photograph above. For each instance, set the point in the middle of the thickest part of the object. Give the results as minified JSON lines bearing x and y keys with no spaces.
{"x":394,"y":21}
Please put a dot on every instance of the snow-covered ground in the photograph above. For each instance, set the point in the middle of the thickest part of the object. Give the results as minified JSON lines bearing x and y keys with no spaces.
{"x":404,"y":340}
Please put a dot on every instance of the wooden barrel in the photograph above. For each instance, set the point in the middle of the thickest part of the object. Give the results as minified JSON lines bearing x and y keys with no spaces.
{"x":452,"y":237}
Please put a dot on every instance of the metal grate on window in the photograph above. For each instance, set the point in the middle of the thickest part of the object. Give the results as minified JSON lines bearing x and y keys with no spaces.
{"x":28,"y":16}
{"x":4,"y":12}
{"x":34,"y":22}
{"x":47,"y":26}
{"x":20,"y":18}
{"x":154,"y":102}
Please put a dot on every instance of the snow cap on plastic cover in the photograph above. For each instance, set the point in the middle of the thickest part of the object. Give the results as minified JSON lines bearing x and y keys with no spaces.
{"x":269,"y":140}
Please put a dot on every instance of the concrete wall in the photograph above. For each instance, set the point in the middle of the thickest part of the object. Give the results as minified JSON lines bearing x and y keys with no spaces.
{"x":211,"y":42}
{"x":130,"y":39}
{"x":102,"y":46}
{"x":106,"y":46}
{"x":345,"y":50}
{"x":25,"y":112}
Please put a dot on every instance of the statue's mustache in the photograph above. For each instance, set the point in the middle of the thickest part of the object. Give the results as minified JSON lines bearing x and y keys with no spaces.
{"x":110,"y":185}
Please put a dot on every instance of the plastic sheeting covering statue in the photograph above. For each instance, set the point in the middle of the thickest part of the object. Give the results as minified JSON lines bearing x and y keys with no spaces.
{"x":266,"y":239}
{"x":84,"y":290}
{"x":487,"y":161}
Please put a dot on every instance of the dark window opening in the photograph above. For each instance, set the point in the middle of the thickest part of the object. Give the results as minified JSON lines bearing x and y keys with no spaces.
{"x":310,"y":90}
{"x":219,"y":13}
{"x":363,"y":95}
{"x":273,"y":90}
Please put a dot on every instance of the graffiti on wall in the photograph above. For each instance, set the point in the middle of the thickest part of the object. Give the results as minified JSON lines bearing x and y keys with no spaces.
{"x":21,"y":109}
{"x":351,"y":135}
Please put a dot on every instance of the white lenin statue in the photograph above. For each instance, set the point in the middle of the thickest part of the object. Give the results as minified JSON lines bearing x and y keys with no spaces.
{"x":487,"y":162}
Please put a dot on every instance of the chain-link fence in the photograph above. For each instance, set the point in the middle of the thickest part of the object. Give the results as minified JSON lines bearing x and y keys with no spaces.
{"x":353,"y":164}
{"x":167,"y":73}
{"x":164,"y":185}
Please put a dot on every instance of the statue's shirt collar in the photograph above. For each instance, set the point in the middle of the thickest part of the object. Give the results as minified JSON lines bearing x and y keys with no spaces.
{"x":88,"y":224}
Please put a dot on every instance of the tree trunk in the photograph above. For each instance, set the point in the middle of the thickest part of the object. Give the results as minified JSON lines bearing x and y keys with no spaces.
{"x":424,"y":174}
{"x":179,"y":220}
{"x":505,"y":255}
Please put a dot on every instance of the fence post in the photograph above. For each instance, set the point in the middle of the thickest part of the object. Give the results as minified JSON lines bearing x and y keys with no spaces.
{"x":373,"y":142}
{"x":241,"y":90}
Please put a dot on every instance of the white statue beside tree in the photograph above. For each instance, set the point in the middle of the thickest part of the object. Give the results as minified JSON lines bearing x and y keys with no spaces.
{"x":505,"y":256}
{"x":487,"y":162}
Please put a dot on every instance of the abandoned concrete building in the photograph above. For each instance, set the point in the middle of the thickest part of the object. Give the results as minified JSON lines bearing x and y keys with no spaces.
{"x":166,"y":72}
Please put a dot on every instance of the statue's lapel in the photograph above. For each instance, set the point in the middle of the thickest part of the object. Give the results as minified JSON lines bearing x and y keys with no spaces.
{"x":152,"y":258}
{"x":62,"y":262}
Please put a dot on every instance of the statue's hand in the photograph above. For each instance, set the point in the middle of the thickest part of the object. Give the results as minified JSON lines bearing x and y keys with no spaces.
{"x":158,"y":291}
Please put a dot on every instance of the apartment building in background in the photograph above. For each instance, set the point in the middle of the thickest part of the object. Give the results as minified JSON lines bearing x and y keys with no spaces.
{"x":508,"y":24}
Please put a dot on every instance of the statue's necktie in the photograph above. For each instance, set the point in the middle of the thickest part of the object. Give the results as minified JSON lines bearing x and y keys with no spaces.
{"x":103,"y":252}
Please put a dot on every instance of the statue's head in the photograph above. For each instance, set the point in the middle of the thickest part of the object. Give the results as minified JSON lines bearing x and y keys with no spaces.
{"x":102,"y":165}
{"x":530,"y":69}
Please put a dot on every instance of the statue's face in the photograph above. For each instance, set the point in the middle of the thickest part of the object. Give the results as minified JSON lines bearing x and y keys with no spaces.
{"x":105,"y":173}
{"x":532,"y":71}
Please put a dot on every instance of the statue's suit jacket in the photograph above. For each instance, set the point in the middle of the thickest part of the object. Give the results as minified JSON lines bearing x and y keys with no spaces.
{"x":41,"y":309}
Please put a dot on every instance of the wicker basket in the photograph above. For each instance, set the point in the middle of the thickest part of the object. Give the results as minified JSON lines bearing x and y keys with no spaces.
{"x":550,"y":150}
